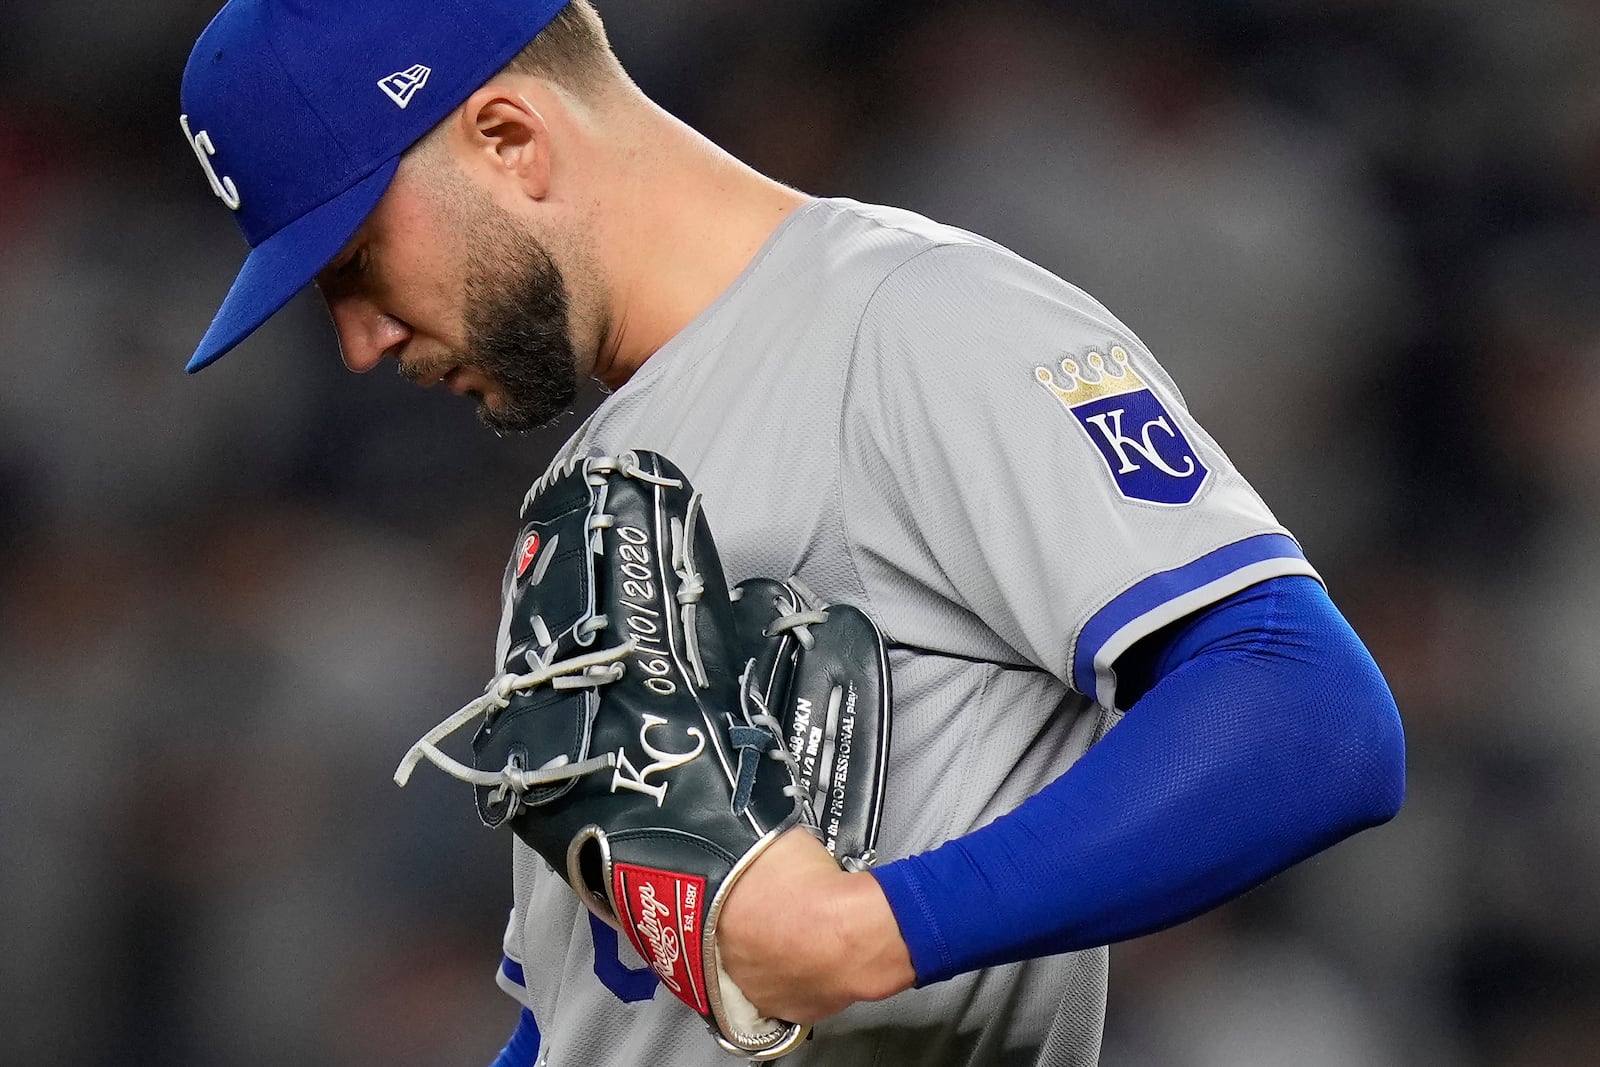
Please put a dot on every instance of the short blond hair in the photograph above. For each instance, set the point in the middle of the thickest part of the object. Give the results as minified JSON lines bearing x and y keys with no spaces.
{"x":572,"y":51}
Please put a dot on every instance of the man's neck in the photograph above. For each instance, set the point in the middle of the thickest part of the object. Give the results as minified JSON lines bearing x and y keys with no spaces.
{"x":694,"y":218}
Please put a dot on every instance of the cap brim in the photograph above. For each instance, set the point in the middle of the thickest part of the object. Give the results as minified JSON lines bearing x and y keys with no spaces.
{"x":285,"y":263}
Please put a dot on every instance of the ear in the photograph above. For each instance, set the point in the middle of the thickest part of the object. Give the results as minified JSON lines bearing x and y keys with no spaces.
{"x":507,"y":133}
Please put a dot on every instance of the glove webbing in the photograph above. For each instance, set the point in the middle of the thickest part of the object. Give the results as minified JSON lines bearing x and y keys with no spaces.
{"x":590,"y":670}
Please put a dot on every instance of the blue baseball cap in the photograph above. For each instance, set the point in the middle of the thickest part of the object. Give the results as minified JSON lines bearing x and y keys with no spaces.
{"x":299,"y":111}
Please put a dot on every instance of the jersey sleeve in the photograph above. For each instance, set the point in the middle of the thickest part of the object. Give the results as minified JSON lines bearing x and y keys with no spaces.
{"x":510,"y":976}
{"x":1011,"y":448}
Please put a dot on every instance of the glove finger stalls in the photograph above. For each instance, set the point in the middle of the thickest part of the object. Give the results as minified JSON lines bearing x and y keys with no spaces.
{"x":838,"y":727}
{"x":833,"y":703}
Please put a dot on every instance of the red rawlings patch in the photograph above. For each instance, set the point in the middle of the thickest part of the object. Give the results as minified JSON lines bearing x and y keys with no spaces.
{"x":530,"y":549}
{"x":662,"y":914}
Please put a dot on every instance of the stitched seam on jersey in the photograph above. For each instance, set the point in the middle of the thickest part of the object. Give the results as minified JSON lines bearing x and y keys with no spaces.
{"x":839,"y":449}
{"x":968,"y":768}
{"x":927,"y":650}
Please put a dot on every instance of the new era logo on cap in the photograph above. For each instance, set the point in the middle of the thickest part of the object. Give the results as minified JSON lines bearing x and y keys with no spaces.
{"x":403,"y":85}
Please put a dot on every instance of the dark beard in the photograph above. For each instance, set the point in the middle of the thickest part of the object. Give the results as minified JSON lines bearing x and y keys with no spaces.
{"x":518,"y":330}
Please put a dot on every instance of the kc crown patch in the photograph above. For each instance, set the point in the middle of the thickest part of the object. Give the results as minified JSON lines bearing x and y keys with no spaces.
{"x":1142,"y":445}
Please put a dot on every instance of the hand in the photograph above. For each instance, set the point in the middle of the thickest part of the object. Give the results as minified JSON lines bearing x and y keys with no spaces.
{"x":804,"y":939}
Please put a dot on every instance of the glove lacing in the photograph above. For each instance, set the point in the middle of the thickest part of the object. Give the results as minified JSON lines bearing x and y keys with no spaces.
{"x":589,"y":670}
{"x":761,"y":733}
{"x":691,"y":584}
{"x":797,"y":617}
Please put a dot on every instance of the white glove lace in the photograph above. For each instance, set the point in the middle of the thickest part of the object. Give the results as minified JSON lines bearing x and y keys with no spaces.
{"x":808,"y":612}
{"x":588,"y":671}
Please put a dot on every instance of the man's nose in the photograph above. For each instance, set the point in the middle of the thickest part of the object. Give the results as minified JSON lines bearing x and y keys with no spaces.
{"x":366,"y":334}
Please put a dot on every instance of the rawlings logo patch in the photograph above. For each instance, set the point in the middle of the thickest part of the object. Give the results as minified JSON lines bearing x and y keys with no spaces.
{"x":661,"y":916}
{"x":1143,"y":447}
{"x":530,"y":549}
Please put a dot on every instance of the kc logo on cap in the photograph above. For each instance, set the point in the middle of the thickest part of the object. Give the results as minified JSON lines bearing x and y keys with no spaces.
{"x":226,"y":191}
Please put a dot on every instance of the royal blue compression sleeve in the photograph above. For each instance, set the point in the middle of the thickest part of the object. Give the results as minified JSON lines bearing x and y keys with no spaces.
{"x":1267,"y":735}
{"x":523,"y":1048}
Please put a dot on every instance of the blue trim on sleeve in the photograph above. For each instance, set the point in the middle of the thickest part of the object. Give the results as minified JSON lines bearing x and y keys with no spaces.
{"x":1143,"y":600}
{"x":513,"y":972}
{"x":523,"y":1048}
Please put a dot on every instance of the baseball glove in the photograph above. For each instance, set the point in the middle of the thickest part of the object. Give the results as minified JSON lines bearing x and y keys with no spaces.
{"x":823,"y":671}
{"x":631,"y":738}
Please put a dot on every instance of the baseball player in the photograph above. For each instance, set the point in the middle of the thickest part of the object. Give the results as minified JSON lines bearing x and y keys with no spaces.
{"x":1121,"y":694}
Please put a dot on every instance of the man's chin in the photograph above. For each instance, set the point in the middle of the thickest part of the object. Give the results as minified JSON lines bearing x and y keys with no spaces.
{"x":506,"y":418}
{"x":497,"y":418}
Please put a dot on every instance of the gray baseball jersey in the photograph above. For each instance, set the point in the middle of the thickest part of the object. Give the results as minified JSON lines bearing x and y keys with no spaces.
{"x":921,"y":423}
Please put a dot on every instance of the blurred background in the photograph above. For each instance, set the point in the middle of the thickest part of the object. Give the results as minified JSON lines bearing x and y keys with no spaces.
{"x":1363,"y":235}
